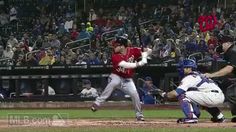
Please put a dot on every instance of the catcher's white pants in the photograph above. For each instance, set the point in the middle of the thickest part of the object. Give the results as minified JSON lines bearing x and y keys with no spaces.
{"x":126,"y":85}
{"x":206,"y":98}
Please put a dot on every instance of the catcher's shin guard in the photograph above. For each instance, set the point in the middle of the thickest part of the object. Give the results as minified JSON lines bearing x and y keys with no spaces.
{"x":188,"y":108}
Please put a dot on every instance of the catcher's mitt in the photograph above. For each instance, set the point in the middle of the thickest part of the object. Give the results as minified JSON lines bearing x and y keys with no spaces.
{"x":160,"y":94}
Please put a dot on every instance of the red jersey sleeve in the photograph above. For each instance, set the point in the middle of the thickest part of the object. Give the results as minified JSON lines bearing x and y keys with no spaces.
{"x":116,"y":59}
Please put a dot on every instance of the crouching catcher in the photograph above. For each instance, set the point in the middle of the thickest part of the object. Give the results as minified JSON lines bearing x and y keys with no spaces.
{"x":196,"y":90}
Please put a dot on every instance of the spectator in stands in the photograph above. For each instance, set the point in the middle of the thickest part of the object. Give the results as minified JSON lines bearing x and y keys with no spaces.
{"x":212,"y":41}
{"x":61,"y":29}
{"x":121,"y":14}
{"x":93,"y":59}
{"x":45,"y":43}
{"x":89,"y":27}
{"x":83,"y":33}
{"x":92,"y":15}
{"x":3,"y":18}
{"x":31,"y":60}
{"x":12,"y":41}
{"x":147,"y":92}
{"x":20,"y":61}
{"x":26,"y":42}
{"x":48,"y":59}
{"x":13,"y":14}
{"x":100,"y":12}
{"x":68,"y":24}
{"x":108,"y":26}
{"x":70,"y":57}
{"x":64,"y":40}
{"x":74,"y":34}
{"x":202,"y":46}
{"x":60,"y":60}
{"x":18,"y":51}
{"x":104,"y":59}
{"x":146,"y":40}
{"x":191,"y":45}
{"x":211,"y":50}
{"x":37,"y":28}
{"x":88,"y":91}
{"x":54,"y":42}
{"x":8,"y":52}
{"x":80,"y":60}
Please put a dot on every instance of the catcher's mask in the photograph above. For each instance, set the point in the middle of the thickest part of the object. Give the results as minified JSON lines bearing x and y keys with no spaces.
{"x":221,"y":40}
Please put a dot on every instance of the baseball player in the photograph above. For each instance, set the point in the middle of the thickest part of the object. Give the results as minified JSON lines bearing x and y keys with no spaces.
{"x":196,"y":90}
{"x":124,"y":61}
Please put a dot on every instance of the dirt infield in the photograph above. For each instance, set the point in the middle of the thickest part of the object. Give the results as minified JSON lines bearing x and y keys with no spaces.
{"x":122,"y":123}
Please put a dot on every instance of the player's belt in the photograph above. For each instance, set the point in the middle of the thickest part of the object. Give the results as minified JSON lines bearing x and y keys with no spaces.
{"x":195,"y":89}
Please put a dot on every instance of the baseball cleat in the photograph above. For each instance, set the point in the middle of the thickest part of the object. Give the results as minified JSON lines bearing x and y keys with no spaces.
{"x":216,"y":120}
{"x":140,"y":118}
{"x":187,"y":120}
{"x":94,"y":107}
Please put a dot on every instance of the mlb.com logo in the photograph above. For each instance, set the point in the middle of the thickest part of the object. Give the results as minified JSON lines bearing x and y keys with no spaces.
{"x":41,"y":119}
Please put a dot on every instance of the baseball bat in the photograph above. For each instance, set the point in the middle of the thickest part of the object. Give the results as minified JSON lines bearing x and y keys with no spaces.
{"x":137,"y":25}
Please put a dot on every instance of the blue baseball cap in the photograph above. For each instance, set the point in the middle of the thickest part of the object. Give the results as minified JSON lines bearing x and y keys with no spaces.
{"x":148,"y":78}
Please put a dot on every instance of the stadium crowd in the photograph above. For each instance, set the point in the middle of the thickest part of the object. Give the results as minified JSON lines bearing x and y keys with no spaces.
{"x":44,"y":32}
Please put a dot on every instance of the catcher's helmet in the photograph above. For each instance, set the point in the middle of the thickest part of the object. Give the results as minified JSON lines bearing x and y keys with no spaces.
{"x":221,"y":40}
{"x":189,"y":63}
{"x":186,"y":63}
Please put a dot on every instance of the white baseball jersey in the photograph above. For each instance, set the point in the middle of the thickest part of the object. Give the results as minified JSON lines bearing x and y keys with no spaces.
{"x":201,"y":90}
{"x":92,"y":92}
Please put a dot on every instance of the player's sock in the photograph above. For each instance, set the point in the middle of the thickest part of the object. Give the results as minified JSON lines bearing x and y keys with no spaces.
{"x":220,"y":116}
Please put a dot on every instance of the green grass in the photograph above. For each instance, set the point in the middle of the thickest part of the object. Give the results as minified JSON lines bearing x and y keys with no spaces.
{"x":106,"y":114}
{"x":84,"y":114}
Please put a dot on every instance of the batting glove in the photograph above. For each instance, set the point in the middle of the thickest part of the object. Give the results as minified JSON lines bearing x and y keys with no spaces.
{"x":141,"y":63}
{"x":163,"y":94}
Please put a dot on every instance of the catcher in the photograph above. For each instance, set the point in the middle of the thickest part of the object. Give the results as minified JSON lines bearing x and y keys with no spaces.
{"x":196,"y":90}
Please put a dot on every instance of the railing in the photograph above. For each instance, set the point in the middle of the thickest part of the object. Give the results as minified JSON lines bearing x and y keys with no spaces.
{"x":103,"y":36}
{"x":192,"y":56}
{"x":109,"y":32}
{"x":142,"y":23}
{"x":69,"y":43}
{"x":80,"y":47}
{"x":76,"y":41}
{"x":27,"y":54}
